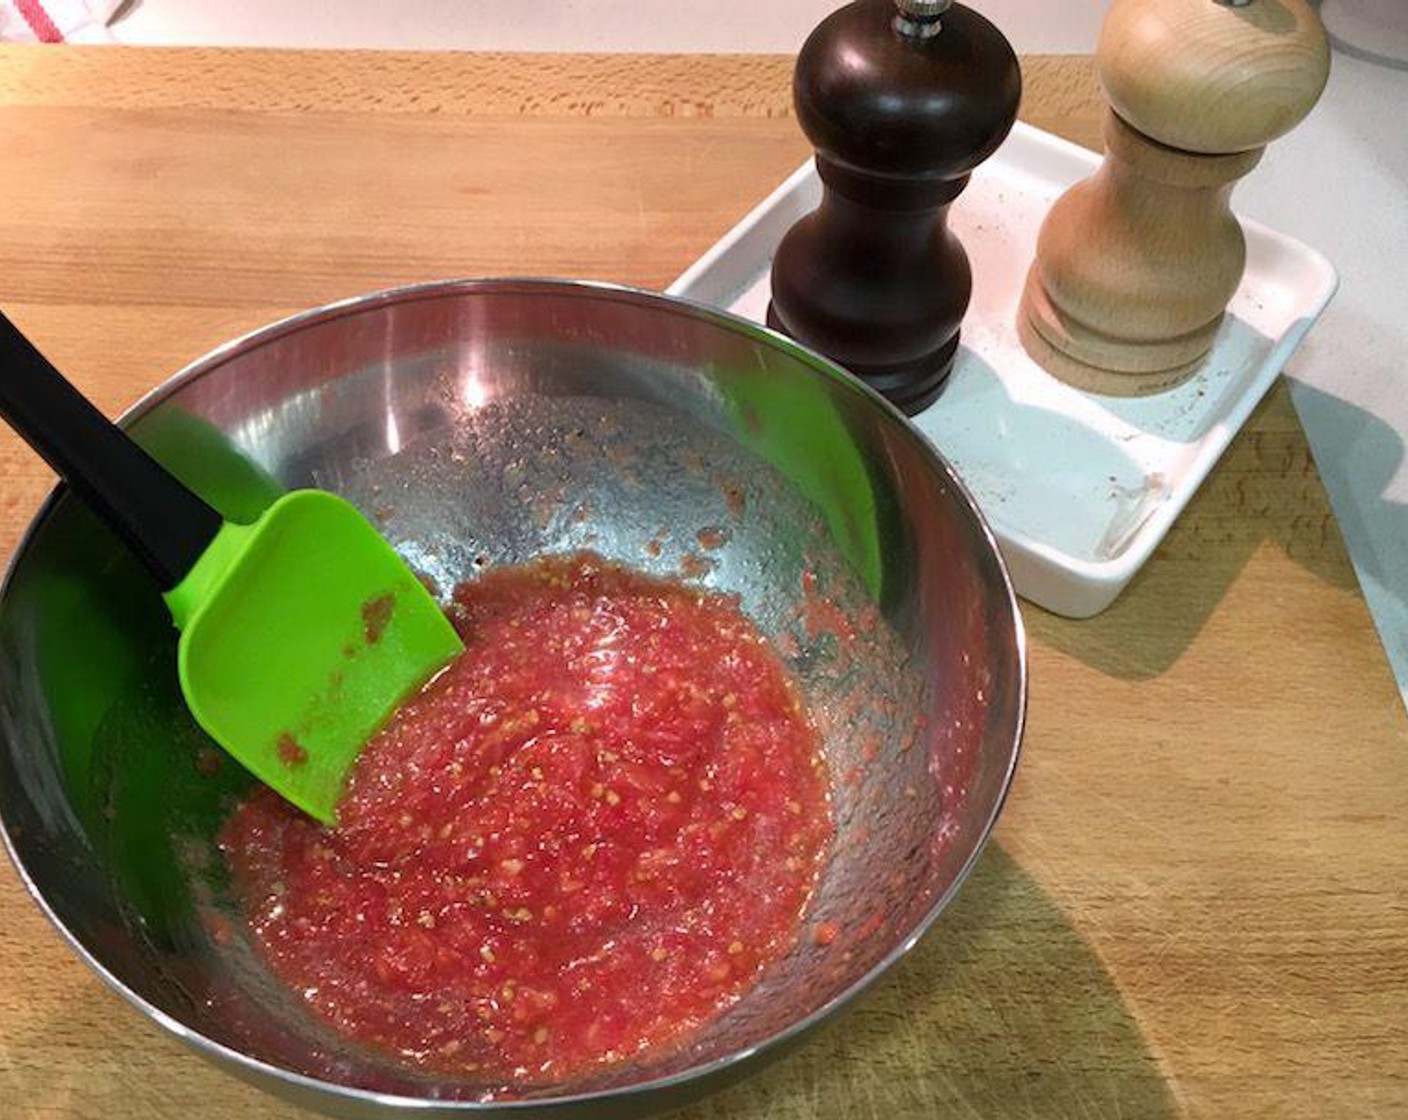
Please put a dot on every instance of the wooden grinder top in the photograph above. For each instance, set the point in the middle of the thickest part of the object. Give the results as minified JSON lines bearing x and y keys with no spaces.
{"x":1213,"y":76}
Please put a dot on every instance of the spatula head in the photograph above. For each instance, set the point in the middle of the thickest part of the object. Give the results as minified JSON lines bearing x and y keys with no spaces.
{"x":300,"y":635}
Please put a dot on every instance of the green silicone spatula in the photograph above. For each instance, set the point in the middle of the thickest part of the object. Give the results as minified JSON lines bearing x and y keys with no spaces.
{"x":300,"y":632}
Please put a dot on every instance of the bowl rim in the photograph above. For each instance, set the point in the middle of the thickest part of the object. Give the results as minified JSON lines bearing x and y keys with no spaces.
{"x":316,"y":1087}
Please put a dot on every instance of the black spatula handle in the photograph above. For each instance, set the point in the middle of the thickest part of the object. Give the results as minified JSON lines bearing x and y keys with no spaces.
{"x":166,"y":525}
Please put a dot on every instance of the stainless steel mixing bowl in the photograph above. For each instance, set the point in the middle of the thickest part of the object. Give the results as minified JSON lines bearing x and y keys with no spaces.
{"x":483,"y":423}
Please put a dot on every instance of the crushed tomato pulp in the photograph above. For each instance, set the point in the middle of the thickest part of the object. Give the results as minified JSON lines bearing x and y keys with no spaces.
{"x":587,"y":836}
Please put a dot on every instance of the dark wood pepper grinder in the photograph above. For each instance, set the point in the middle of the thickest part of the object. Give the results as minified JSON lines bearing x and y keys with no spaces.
{"x":902,"y":99}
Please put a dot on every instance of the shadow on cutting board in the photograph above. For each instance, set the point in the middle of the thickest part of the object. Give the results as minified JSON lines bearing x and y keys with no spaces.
{"x":1266,"y":490}
{"x":1001,"y":1011}
{"x":1370,"y":452}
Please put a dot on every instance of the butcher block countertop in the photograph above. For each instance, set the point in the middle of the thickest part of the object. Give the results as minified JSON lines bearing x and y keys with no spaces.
{"x":1197,"y":900}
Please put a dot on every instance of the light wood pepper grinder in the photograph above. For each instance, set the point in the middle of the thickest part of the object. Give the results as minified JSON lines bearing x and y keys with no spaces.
{"x":1135,"y":266}
{"x":902,"y":99}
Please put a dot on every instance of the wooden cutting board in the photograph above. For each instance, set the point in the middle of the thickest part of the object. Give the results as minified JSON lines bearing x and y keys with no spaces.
{"x":1196,"y":904}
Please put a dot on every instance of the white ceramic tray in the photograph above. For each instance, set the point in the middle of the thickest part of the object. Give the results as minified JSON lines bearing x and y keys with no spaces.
{"x":1079,"y":488}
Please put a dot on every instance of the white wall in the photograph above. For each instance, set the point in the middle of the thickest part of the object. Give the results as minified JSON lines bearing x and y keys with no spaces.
{"x":1062,"y":26}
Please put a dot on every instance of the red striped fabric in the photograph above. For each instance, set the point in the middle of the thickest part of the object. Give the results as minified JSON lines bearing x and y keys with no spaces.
{"x":39,"y":21}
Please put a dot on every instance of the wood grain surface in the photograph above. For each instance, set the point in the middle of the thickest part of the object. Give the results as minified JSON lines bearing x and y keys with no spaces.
{"x":1196,"y":904}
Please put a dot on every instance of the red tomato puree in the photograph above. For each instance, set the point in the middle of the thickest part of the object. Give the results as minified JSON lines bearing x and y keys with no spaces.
{"x":587,"y":836}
